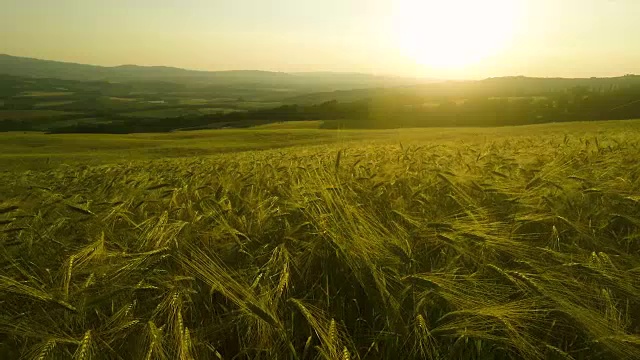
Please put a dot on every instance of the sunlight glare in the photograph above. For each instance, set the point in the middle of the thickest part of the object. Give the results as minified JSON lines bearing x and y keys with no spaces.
{"x":453,"y":34}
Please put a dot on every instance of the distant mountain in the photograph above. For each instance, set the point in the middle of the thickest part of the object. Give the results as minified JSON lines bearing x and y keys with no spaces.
{"x":306,"y":87}
{"x":29,"y":67}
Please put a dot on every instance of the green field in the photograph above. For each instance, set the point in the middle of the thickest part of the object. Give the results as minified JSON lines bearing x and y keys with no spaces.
{"x":52,"y":103}
{"x":311,"y":124}
{"x":45,"y":94}
{"x":122,"y":99}
{"x":31,"y":114}
{"x":34,"y":104}
{"x":302,"y":243}
{"x":194,"y":101}
{"x":174,"y":113}
{"x":159,"y":114}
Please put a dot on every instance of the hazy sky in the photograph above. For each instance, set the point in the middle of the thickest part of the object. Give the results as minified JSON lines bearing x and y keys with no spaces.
{"x":533,"y":37}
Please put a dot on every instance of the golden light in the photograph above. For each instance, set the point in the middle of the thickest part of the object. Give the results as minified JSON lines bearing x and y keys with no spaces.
{"x":453,"y":34}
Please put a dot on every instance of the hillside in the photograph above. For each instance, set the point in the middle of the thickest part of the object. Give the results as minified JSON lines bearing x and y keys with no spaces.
{"x":39,"y":95}
{"x":29,"y":67}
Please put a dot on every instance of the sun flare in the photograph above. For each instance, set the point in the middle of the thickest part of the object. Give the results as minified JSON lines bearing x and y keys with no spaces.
{"x":453,"y":34}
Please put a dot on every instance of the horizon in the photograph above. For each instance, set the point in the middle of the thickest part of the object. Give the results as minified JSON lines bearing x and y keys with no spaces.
{"x":433,"y":80}
{"x":456,"y":40}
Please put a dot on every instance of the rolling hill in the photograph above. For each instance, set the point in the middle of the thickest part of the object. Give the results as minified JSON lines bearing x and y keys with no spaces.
{"x":29,"y":67}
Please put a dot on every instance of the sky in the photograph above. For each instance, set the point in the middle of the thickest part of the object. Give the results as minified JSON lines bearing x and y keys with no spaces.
{"x":453,"y":39}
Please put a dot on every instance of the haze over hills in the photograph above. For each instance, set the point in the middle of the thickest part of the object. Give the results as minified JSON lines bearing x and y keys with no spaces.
{"x":30,"y":67}
{"x":42,"y":95}
{"x":508,"y":86}
{"x":311,"y":87}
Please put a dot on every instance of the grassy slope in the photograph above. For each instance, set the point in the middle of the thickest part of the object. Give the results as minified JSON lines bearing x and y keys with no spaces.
{"x":32,"y":151}
{"x":469,"y":243}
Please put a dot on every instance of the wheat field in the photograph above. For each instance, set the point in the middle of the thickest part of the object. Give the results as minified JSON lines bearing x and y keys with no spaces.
{"x":512,"y":243}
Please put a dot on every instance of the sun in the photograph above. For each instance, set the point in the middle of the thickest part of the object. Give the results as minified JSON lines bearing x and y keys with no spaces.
{"x":453,"y":34}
